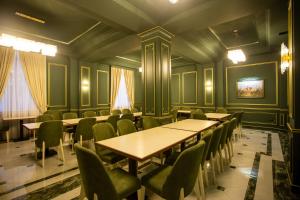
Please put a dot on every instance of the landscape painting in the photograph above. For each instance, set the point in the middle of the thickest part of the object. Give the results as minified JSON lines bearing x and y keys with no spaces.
{"x":250,"y":88}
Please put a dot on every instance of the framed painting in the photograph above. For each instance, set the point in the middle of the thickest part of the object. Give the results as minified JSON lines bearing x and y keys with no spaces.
{"x":250,"y":88}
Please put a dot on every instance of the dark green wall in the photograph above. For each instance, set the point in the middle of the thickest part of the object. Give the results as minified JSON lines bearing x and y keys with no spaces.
{"x":64,"y":85}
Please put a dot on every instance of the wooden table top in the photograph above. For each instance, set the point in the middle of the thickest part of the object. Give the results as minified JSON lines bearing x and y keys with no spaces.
{"x":72,"y":122}
{"x":194,"y":125}
{"x":184,"y":111}
{"x":144,"y":144}
{"x":217,"y":116}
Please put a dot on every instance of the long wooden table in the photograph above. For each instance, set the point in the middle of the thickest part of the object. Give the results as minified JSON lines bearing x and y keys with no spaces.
{"x":73,"y":122}
{"x":194,"y":125}
{"x":210,"y":116}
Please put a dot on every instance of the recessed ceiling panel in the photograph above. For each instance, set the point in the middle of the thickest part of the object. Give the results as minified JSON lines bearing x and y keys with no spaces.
{"x":240,"y":32}
{"x":62,"y":23}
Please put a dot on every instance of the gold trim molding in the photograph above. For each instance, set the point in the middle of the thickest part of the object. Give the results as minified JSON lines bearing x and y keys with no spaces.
{"x":107,"y":88}
{"x":89,"y":91}
{"x":196,"y":86}
{"x":212,"y":86}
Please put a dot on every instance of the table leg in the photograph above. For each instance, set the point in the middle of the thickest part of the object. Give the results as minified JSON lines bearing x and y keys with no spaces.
{"x":182,"y":146}
{"x":132,"y":164}
{"x":21,"y":130}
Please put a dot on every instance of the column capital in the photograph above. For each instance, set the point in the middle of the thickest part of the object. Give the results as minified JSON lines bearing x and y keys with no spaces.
{"x":156,"y":32}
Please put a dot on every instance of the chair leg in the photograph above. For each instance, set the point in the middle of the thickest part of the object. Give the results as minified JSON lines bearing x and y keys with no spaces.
{"x":35,"y":152}
{"x":82,"y":192}
{"x":197,"y":189}
{"x":205,"y":174}
{"x":62,"y":151}
{"x":212,"y":164}
{"x":7,"y":136}
{"x":181,"y":197}
{"x":34,"y":134}
{"x":141,"y":193}
{"x":226,"y":154}
{"x":80,"y":140}
{"x":231,"y":145}
{"x":217,"y":160}
{"x":201,"y":185}
{"x":221,"y":159}
{"x":43,"y":154}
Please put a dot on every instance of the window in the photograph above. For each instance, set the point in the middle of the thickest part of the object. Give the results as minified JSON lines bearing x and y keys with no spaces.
{"x":122,"y":100}
{"x":17,"y":101}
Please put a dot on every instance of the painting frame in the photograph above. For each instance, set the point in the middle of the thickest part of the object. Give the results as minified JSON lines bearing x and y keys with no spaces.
{"x":250,"y":89}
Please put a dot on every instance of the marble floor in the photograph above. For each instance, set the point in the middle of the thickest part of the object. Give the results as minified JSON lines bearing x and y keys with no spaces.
{"x":257,"y":171}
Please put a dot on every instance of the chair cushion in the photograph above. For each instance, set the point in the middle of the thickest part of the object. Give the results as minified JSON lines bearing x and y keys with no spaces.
{"x":155,"y":180}
{"x":109,"y":156}
{"x":125,"y":184}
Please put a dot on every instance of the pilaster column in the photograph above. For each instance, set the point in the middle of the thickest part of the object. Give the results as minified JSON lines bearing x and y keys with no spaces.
{"x":156,"y":65}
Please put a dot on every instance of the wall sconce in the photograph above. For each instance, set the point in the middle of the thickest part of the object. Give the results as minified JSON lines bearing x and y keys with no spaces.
{"x":285,"y":58}
{"x":208,"y":86}
{"x":140,"y":69}
{"x":85,"y":85}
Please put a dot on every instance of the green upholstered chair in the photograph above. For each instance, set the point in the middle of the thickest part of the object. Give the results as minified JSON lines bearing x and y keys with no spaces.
{"x":150,"y":122}
{"x":89,"y":114}
{"x":126,"y":111}
{"x":70,"y":115}
{"x":221,"y":110}
{"x":113,"y":119}
{"x":49,"y":135}
{"x":71,"y":129}
{"x":4,"y":127}
{"x":57,"y":115}
{"x":134,"y":110}
{"x":199,"y":110}
{"x":223,"y":146}
{"x":104,"y":112}
{"x":116,"y":112}
{"x":174,"y":114}
{"x":104,"y":131}
{"x":125,"y":126}
{"x":178,"y":180}
{"x":84,"y":130}
{"x":212,"y":154}
{"x":106,"y":184}
{"x":127,"y":116}
{"x":229,"y":139}
{"x":198,"y":115}
{"x":44,"y":117}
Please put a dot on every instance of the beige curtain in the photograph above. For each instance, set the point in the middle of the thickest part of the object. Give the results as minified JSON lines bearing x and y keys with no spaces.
{"x":129,"y":80}
{"x":34,"y":66}
{"x":115,"y":84}
{"x":6,"y":61}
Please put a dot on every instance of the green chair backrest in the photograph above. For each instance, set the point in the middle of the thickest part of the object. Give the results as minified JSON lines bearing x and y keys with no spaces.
{"x":207,"y":138}
{"x":221,"y":110}
{"x":184,"y":172}
{"x":223,"y":139}
{"x":215,"y":141}
{"x":104,"y":112}
{"x":94,"y":177}
{"x":50,"y":132}
{"x":57,"y":115}
{"x":116,"y":112}
{"x":231,"y":127}
{"x":70,"y":115}
{"x":174,"y":114}
{"x":134,"y":110}
{"x":89,"y":114}
{"x":84,"y":128}
{"x":102,"y":131}
{"x":150,"y":122}
{"x":113,"y":119}
{"x":44,"y":118}
{"x":199,"y":110}
{"x":127,"y":116}
{"x":126,"y":111}
{"x":198,"y":115}
{"x":125,"y":126}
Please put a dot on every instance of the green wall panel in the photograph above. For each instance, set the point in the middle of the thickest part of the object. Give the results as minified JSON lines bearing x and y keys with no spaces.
{"x":208,"y":85}
{"x":149,"y":80}
{"x":57,"y":85}
{"x":189,"y":87}
{"x":267,"y":71}
{"x":175,"y":88}
{"x":165,"y":78}
{"x":102,"y":87}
